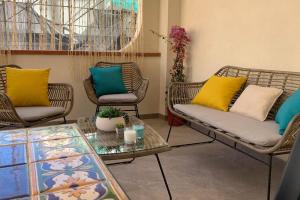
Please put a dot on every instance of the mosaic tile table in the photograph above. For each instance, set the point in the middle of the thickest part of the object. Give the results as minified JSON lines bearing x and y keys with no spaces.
{"x":109,"y":147}
{"x":53,"y":162}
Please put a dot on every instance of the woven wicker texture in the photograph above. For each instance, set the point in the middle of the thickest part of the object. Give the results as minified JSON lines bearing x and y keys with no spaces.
{"x":289,"y":82}
{"x":60,"y":94}
{"x":133,"y":81}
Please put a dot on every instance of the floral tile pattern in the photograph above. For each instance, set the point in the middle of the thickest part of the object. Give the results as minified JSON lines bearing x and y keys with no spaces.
{"x":12,"y":155}
{"x":97,"y":191}
{"x":62,"y":166}
{"x":52,"y":133}
{"x":66,"y":173}
{"x":55,"y":149}
{"x":14,"y":182}
{"x":13,"y":137}
{"x":23,"y":198}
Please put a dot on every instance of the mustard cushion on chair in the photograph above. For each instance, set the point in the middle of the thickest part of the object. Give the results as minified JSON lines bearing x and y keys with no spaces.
{"x":27,"y":87}
{"x":218,"y":92}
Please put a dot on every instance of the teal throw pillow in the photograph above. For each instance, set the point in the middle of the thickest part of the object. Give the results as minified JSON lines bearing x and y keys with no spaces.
{"x":289,"y":109}
{"x":108,"y":80}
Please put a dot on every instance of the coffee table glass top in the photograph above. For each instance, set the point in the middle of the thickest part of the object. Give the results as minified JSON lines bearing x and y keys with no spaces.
{"x":110,"y":147}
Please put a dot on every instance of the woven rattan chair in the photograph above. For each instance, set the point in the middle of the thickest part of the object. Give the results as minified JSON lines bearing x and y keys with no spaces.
{"x":134,"y":82}
{"x":60,"y":97}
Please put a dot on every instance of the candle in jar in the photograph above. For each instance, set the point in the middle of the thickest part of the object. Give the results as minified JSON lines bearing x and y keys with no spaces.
{"x":129,"y":136}
{"x":139,"y":131}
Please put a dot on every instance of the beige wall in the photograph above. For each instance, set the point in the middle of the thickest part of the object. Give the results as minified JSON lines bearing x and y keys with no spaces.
{"x":254,"y":33}
{"x":62,"y":72}
{"x":163,"y":48}
{"x":169,"y":16}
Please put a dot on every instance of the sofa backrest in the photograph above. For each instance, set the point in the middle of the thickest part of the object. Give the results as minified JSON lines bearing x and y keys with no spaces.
{"x":3,"y":76}
{"x":289,"y":82}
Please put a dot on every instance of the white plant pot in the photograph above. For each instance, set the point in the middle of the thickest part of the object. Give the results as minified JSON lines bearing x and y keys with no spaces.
{"x":108,"y":125}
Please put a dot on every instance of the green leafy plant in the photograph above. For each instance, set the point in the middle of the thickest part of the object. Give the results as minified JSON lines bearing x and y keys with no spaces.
{"x":110,"y":112}
{"x":119,"y":126}
{"x":126,"y":118}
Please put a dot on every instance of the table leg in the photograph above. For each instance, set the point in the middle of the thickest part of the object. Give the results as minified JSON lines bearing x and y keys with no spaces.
{"x":120,"y":163}
{"x":163,"y":175}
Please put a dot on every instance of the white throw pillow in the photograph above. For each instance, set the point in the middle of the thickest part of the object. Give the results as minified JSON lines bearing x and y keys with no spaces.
{"x":256,"y":101}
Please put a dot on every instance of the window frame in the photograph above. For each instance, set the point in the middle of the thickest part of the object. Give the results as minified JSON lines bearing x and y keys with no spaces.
{"x":49,"y":51}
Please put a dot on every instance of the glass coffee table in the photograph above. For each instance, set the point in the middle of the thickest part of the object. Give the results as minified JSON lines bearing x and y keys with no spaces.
{"x":110,"y":147}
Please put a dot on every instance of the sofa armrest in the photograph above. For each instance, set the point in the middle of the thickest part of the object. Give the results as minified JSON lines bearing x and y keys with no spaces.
{"x":182,"y":93}
{"x":61,"y":94}
{"x":90,"y":91}
{"x":142,"y":90}
{"x":8,"y":114}
{"x":290,"y":134}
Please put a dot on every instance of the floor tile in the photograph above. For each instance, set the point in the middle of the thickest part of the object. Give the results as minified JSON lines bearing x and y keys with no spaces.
{"x":95,"y":191}
{"x":52,"y":132}
{"x":65,"y":173}
{"x":54,"y":149}
{"x":13,"y":137}
{"x":14,"y":182}
{"x":12,"y":155}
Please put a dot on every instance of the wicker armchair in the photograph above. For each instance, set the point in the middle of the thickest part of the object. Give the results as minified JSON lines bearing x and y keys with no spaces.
{"x":133,"y":81}
{"x":60,"y":97}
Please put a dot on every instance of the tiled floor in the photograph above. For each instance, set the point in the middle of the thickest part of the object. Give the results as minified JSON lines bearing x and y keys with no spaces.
{"x":208,"y":172}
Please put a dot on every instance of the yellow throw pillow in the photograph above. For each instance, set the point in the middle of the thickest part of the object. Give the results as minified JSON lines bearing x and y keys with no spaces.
{"x":218,"y":92}
{"x":27,"y":87}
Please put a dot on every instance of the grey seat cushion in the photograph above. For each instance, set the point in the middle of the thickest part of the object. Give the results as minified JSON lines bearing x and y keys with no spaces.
{"x":247,"y":129}
{"x":117,"y":98}
{"x":35,"y":113}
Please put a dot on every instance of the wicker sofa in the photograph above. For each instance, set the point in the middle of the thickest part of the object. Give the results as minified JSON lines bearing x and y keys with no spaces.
{"x":261,"y":137}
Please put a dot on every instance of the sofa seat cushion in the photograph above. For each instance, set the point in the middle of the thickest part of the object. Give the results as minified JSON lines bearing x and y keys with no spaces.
{"x":247,"y":129}
{"x":118,"y":98}
{"x":38,"y":112}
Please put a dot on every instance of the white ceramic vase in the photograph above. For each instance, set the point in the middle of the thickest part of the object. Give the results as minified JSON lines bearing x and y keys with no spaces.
{"x":108,"y":124}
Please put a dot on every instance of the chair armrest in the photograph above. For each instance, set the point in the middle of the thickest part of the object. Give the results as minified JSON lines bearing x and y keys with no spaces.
{"x":182,"y":93}
{"x":142,"y":90}
{"x":8,"y":114}
{"x":61,"y":95}
{"x":90,"y":91}
{"x":290,"y":134}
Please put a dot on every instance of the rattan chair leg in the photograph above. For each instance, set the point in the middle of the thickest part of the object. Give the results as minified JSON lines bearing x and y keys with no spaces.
{"x":213,"y":138}
{"x":97,"y":110}
{"x":136,"y":111}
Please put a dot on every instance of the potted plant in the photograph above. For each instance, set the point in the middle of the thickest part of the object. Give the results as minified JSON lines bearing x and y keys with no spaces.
{"x":120,"y":130}
{"x":179,"y":40}
{"x":108,"y":117}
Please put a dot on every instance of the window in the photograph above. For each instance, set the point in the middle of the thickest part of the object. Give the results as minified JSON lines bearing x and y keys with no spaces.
{"x":77,"y":25}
